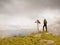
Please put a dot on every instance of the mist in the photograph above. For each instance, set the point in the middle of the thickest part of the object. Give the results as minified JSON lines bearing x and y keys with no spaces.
{"x":18,"y":15}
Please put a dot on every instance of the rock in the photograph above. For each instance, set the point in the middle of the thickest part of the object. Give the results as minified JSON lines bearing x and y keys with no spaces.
{"x":47,"y":41}
{"x":50,"y":42}
{"x":37,"y":35}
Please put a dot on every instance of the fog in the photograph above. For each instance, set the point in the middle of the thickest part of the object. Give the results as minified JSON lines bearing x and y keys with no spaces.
{"x":17,"y":17}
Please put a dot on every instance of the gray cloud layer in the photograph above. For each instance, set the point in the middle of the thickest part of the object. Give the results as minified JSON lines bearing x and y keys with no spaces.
{"x":21,"y":6}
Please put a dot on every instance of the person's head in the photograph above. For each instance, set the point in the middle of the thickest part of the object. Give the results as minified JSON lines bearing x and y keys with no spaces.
{"x":45,"y":19}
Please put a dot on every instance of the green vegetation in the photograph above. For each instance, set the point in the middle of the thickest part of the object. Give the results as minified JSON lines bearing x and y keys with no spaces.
{"x":30,"y":40}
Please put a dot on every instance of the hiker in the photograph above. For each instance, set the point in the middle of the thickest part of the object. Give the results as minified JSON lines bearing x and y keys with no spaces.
{"x":38,"y":22}
{"x":45,"y":25}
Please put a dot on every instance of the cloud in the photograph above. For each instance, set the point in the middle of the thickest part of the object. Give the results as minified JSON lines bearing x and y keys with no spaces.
{"x":21,"y":6}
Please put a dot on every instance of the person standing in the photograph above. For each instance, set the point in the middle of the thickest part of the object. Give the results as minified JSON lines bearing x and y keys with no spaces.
{"x":45,"y":25}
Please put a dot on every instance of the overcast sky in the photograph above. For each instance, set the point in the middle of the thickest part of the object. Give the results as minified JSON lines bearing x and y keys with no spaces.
{"x":23,"y":13}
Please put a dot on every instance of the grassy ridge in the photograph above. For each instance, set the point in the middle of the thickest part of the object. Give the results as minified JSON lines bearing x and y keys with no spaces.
{"x":30,"y":40}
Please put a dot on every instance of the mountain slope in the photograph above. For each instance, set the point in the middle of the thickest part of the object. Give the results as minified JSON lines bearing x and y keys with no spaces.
{"x":32,"y":39}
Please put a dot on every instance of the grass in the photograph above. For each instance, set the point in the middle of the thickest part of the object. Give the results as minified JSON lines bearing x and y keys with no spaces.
{"x":30,"y":40}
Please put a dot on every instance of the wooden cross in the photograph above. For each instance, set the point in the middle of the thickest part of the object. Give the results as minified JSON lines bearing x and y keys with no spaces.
{"x":38,"y":22}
